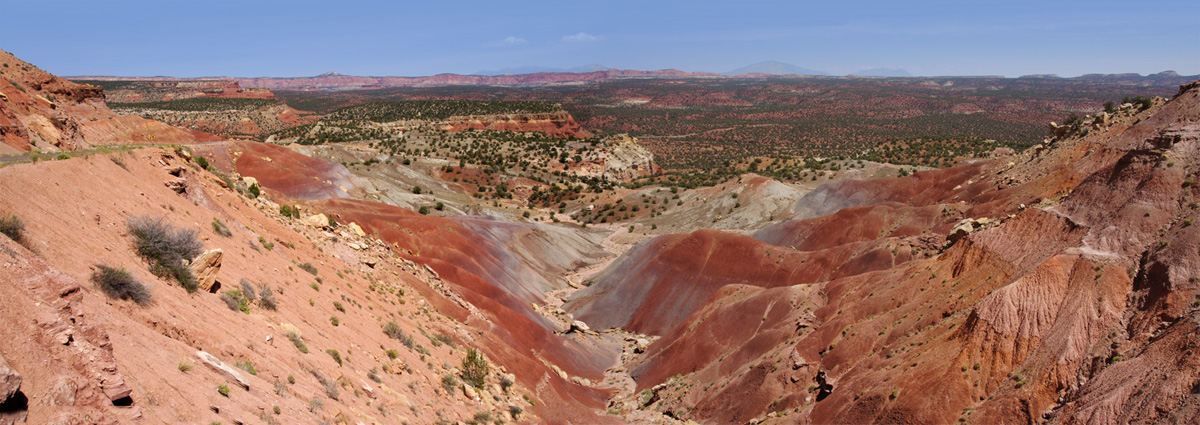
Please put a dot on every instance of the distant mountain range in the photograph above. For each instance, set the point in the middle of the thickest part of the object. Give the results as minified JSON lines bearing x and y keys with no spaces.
{"x":518,"y":70}
{"x":518,"y":77}
{"x":774,"y":68}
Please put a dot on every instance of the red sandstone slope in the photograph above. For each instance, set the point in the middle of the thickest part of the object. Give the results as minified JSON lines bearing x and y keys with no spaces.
{"x":41,"y":111}
{"x":490,"y":270}
{"x":1088,"y":284}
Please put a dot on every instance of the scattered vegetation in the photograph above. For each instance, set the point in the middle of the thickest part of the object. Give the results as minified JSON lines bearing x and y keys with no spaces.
{"x":119,"y":283}
{"x":166,"y":247}
{"x":266,"y":298}
{"x":337,"y":357}
{"x":223,"y":390}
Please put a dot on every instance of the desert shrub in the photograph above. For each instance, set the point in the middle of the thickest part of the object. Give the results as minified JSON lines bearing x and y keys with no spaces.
{"x":337,"y":357}
{"x":506,"y":383}
{"x":374,"y":375}
{"x":223,"y":389}
{"x":166,"y":247}
{"x":253,"y":191}
{"x":308,"y":267}
{"x":236,"y":301}
{"x":185,"y":366}
{"x":474,"y":368}
{"x":247,"y":290}
{"x":392,"y":354}
{"x":339,"y":307}
{"x":266,"y":298}
{"x":119,"y":283}
{"x":331,"y":388}
{"x":333,"y":320}
{"x":220,"y":228}
{"x":424,"y":210}
{"x":298,"y":342}
{"x":289,"y":211}
{"x":13,"y":227}
{"x":201,"y":161}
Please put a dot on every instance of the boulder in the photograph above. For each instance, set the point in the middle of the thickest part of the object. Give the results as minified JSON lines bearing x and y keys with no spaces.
{"x":354,"y":228}
{"x":469,"y":392}
{"x":10,"y":381}
{"x":965,"y":227}
{"x":205,"y":267}
{"x":230,"y":373}
{"x":317,"y":220}
{"x":578,"y":326}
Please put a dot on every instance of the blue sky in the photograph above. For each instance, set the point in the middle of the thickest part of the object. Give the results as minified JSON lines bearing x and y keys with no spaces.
{"x":303,"y":38}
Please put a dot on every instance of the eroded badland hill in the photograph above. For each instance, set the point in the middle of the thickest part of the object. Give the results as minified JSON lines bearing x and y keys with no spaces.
{"x":353,"y":282}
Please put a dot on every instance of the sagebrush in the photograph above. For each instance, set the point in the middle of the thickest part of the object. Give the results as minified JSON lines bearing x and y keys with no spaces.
{"x":166,"y":247}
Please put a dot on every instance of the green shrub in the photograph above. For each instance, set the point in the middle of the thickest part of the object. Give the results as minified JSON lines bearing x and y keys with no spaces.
{"x":392,"y":354}
{"x":253,"y":191}
{"x":223,"y":389}
{"x":63,"y":156}
{"x":13,"y":227}
{"x":268,"y":245}
{"x":119,"y":283}
{"x":201,"y":161}
{"x":333,"y":320}
{"x":166,"y":247}
{"x":424,"y":210}
{"x":236,"y":301}
{"x":289,"y":211}
{"x":338,"y":305}
{"x":337,"y":357}
{"x":474,"y":368}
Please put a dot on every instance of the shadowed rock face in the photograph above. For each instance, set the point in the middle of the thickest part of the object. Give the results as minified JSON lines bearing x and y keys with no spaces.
{"x":1072,"y":308}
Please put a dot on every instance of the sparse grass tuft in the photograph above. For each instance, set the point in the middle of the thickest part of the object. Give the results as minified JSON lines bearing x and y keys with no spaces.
{"x":166,"y":247}
{"x":337,"y":357}
{"x":449,"y":382}
{"x":392,"y":329}
{"x":185,"y":366}
{"x":119,"y":283}
{"x":247,"y":366}
{"x":223,"y":389}
{"x":220,"y":228}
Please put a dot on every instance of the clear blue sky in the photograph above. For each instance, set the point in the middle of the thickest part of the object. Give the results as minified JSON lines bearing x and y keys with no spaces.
{"x":303,"y":38}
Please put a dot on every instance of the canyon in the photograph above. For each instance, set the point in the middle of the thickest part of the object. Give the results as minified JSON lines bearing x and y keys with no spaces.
{"x":1050,"y":283}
